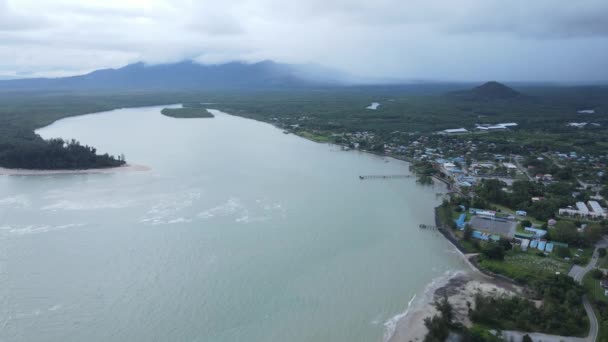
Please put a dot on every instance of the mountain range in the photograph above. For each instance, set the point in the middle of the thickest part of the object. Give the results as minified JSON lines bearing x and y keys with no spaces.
{"x":186,"y":75}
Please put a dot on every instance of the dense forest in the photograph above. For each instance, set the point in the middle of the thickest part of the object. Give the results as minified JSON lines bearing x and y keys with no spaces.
{"x":542,"y":114}
{"x":187,"y":112}
{"x":53,"y":154}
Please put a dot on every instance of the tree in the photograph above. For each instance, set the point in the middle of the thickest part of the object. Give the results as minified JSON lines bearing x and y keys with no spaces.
{"x":505,"y":244}
{"x":565,"y":231}
{"x":439,"y":326}
{"x":593,"y":233}
{"x":494,"y":251}
{"x":597,"y":274}
{"x":526,"y":338}
{"x":526,"y":223}
{"x":601,"y":252}
{"x":491,"y":190}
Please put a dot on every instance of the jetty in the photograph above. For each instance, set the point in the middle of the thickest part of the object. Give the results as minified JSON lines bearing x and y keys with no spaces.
{"x":384,"y":176}
{"x":427,"y":226}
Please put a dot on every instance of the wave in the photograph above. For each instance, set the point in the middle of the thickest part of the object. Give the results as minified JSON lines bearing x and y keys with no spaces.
{"x":168,"y":209}
{"x":94,"y":205}
{"x":18,"y":201}
{"x":391,"y":325}
{"x":36,"y":228}
{"x":414,"y":305}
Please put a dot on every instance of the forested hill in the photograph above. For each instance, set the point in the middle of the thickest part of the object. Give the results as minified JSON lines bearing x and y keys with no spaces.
{"x":488,"y":91}
{"x":184,"y":75}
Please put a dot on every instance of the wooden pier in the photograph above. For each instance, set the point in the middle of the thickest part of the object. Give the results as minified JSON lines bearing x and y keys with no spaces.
{"x":426,"y":226}
{"x":384,"y":176}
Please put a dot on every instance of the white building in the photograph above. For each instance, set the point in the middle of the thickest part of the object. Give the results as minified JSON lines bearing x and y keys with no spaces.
{"x":455,"y":131}
{"x":582,"y":207}
{"x":596,"y":207}
{"x":510,"y":166}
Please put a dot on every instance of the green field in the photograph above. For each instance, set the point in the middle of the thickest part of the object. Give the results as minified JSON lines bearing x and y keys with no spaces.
{"x":526,"y":266}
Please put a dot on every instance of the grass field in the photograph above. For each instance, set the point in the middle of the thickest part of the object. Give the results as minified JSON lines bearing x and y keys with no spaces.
{"x":526,"y":266}
{"x":314,"y":137}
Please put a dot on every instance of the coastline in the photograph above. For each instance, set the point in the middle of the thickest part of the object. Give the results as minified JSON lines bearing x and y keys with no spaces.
{"x":31,"y":172}
{"x":459,"y":287}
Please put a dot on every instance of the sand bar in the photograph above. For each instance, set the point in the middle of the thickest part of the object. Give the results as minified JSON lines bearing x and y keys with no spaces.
{"x":30,"y":172}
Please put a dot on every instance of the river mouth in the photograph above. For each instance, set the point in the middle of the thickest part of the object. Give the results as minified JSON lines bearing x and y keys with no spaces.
{"x":237,"y":232}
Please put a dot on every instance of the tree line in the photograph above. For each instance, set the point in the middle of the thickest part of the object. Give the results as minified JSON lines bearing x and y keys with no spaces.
{"x":53,"y":154}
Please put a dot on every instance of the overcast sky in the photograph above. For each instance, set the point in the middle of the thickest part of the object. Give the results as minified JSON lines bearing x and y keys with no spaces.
{"x":507,"y":40}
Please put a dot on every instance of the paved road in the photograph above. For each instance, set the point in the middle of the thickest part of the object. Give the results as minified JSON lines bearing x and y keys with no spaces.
{"x":576,"y":272}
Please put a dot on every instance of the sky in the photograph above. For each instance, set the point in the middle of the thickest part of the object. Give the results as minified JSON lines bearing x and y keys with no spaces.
{"x":465,"y":40}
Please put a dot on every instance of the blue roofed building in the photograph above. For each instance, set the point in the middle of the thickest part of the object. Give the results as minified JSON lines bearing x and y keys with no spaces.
{"x":460,"y":222}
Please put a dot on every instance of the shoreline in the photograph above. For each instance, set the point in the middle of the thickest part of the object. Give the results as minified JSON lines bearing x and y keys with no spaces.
{"x":32,"y":172}
{"x":460,"y":288}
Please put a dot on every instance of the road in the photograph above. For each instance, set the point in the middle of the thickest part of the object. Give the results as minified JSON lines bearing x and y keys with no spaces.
{"x":577,"y":273}
{"x":522,"y":169}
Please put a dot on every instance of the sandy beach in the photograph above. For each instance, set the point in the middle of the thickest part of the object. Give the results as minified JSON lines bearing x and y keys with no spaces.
{"x":460,"y":289}
{"x":28,"y":172}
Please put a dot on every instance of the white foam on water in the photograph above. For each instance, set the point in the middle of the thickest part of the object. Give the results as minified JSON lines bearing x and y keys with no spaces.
{"x":391,"y":325}
{"x":413,"y":304}
{"x":18,"y":201}
{"x":87,"y":205}
{"x":231,"y":207}
{"x":36,"y":228}
{"x":179,"y":220}
{"x":167,"y":209}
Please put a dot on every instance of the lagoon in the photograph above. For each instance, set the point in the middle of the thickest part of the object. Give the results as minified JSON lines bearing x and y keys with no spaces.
{"x":237,"y":232}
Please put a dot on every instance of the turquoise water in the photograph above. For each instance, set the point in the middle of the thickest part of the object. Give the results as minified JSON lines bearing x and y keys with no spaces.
{"x":238,"y":232}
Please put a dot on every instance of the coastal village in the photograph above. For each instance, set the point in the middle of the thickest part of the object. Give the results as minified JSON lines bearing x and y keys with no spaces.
{"x":518,"y":213}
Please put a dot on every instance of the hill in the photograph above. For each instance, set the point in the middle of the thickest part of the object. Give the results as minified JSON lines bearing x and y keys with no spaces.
{"x":183,"y":75}
{"x":488,"y":91}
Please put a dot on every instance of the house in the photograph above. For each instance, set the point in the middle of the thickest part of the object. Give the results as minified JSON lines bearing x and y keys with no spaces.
{"x":509,"y":166}
{"x":524,"y":244}
{"x":482,"y":212}
{"x":538,"y":233}
{"x":460,"y":222}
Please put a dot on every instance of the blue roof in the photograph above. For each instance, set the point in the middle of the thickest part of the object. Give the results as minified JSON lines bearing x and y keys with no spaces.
{"x":534,"y":243}
{"x":549,"y":247}
{"x":478,"y":235}
{"x":541,"y":245}
{"x":460,"y":222}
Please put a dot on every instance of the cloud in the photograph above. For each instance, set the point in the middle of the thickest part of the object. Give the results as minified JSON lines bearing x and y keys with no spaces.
{"x":12,"y":20}
{"x":539,"y":19}
{"x":432,"y":39}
